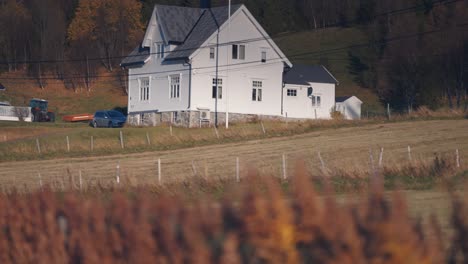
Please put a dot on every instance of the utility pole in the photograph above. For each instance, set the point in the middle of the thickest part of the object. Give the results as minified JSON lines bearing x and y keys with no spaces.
{"x":227,"y":66}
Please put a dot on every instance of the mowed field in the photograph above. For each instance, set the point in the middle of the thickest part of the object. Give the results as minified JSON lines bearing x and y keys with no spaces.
{"x":343,"y":148}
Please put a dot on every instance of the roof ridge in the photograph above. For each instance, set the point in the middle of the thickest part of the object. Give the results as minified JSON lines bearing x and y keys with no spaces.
{"x":194,"y":25}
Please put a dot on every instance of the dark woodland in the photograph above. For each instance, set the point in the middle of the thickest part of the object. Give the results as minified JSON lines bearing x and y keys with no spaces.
{"x":417,"y":53}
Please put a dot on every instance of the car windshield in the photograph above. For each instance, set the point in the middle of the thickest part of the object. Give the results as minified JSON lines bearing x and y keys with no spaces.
{"x":115,"y":114}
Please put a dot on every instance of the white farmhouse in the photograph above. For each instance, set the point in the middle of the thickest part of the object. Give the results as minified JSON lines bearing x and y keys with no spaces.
{"x":196,"y":66}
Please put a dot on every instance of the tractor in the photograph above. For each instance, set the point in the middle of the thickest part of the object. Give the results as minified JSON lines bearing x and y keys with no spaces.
{"x":39,"y":110}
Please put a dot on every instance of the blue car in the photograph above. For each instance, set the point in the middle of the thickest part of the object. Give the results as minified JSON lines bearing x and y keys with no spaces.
{"x":110,"y":118}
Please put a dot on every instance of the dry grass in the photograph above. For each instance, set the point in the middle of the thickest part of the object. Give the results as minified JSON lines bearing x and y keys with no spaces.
{"x":256,"y":223}
{"x":345,"y":149}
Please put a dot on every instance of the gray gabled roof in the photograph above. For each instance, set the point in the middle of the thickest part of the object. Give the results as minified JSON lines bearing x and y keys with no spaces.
{"x":137,"y":57}
{"x":176,"y":22}
{"x":206,"y":25}
{"x":186,"y":27}
{"x":341,"y":99}
{"x":305,"y":74}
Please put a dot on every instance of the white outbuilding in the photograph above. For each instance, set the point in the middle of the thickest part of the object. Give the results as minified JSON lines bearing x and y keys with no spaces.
{"x":349,"y":107}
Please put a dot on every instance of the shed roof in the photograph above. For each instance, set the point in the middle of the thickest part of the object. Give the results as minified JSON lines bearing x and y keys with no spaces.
{"x":305,"y":74}
{"x":341,"y":99}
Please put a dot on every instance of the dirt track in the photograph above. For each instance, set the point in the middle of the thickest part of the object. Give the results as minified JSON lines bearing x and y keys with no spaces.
{"x":343,"y":148}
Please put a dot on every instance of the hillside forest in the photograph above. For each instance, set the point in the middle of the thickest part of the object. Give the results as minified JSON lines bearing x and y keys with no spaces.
{"x":416,"y":51}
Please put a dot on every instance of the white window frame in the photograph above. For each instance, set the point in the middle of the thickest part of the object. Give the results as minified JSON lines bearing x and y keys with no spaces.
{"x":160,"y":50}
{"x":144,"y":90}
{"x":316,"y":100}
{"x":174,"y":88}
{"x":212,"y":53}
{"x":257,"y":91}
{"x":263,"y":56}
{"x":291,"y":92}
{"x":219,"y":92}
{"x":240,"y":52}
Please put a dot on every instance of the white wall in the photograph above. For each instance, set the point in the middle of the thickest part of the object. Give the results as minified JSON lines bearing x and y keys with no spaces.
{"x":300,"y":106}
{"x":238,"y":77}
{"x":351,"y":108}
{"x":158,"y":72}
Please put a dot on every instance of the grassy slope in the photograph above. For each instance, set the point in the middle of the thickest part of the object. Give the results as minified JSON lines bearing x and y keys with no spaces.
{"x":105,"y":94}
{"x":337,"y":61}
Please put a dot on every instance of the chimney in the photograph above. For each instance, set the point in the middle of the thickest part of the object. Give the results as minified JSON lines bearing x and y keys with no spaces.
{"x":205,"y":3}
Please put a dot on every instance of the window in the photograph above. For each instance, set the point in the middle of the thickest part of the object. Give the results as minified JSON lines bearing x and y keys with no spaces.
{"x":292,"y":92}
{"x":238,"y":52}
{"x":219,"y":92}
{"x":160,"y":51}
{"x":264,"y":56}
{"x":212,"y":53}
{"x":241,"y":52}
{"x":144,"y":89}
{"x":309,"y":91}
{"x":316,"y":100}
{"x":175,"y":86}
{"x":257,"y":91}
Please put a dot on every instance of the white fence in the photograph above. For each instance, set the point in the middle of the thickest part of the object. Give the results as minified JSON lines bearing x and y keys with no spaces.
{"x":15,"y":113}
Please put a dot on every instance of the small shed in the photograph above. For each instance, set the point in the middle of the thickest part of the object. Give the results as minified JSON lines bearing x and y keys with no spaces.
{"x":349,"y":106}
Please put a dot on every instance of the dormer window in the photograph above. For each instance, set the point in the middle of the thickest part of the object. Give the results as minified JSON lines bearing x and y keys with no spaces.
{"x":238,"y":52}
{"x":160,"y":50}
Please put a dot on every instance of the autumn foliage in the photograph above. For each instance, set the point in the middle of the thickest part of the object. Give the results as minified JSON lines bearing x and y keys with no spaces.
{"x":261,"y":226}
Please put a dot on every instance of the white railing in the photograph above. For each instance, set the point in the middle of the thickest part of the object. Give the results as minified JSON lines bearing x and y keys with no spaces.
{"x":15,"y":113}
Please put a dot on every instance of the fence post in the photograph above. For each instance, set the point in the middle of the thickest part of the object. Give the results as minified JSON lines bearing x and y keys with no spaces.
{"x":216,"y":132}
{"x":381,"y":157}
{"x":118,"y":172}
{"x":457,"y":153}
{"x":159,"y":171}
{"x":38,"y":146}
{"x":170,"y":129}
{"x":285,"y":176}
{"x":148,"y":139}
{"x":409,"y":154}
{"x":68,"y":144}
{"x":194,"y":169}
{"x":40,"y":180}
{"x":237,"y":170}
{"x":121,"y":140}
{"x":322,"y":163}
{"x":92,"y":143}
{"x":81,"y":180}
{"x":263,"y":128}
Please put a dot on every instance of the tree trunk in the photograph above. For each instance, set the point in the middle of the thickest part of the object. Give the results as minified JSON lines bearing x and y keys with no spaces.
{"x":449,"y":96}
